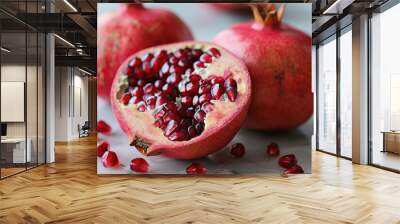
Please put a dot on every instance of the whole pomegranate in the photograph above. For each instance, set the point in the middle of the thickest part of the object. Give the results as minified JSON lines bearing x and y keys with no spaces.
{"x":132,"y":28}
{"x":183,"y":100}
{"x":278,"y":57}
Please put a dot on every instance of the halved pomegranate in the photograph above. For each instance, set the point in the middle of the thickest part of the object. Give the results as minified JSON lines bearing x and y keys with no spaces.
{"x":183,"y":100}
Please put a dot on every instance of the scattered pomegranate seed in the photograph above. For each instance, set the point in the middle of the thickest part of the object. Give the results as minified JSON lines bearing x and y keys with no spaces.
{"x":102,"y":148}
{"x":206,"y":58}
{"x":103,"y":127}
{"x":273,"y":149}
{"x":139,"y":165}
{"x":196,"y":168}
{"x":287,"y":161}
{"x":217,"y":91}
{"x":110,"y":159}
{"x":215,"y":52}
{"x":238,"y":150}
{"x":296,"y":169}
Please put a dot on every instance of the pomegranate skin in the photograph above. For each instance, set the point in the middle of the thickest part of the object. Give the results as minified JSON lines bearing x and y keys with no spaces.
{"x":212,"y":139}
{"x":279,"y":61}
{"x":131,"y":29}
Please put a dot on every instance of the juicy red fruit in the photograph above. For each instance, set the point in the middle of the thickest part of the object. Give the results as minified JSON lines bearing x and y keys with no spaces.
{"x":273,"y":149}
{"x":102,"y":148}
{"x":110,"y":159}
{"x":296,"y":169}
{"x":196,"y":168}
{"x":238,"y":150}
{"x":287,"y":161}
{"x":139,"y":165}
{"x":103,"y":127}
{"x":181,"y":98}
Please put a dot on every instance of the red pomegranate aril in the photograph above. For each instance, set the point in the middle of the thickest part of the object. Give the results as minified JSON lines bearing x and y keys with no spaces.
{"x":178,"y":135}
{"x":273,"y":149}
{"x":191,"y":88}
{"x":139,"y":165}
{"x":126,"y":98}
{"x":168,"y":89}
{"x":195,"y":100}
{"x":196,"y":168}
{"x":174,"y":79}
{"x":194,"y":78}
{"x":200,"y":115}
{"x":181,"y":53}
{"x":171,"y":127}
{"x":110,"y":159}
{"x":238,"y":150}
{"x":161,"y":100}
{"x":199,"y":127}
{"x":192,"y":131}
{"x":149,"y":88}
{"x":164,"y":72}
{"x":159,"y":84}
{"x":199,"y":64}
{"x":187,"y":101}
{"x":205,"y":98}
{"x":141,"y":106}
{"x":148,"y":71}
{"x":137,"y":91}
{"x":185,"y":123}
{"x":159,"y":113}
{"x":230,"y":84}
{"x":217,"y":91}
{"x":215,"y":52}
{"x":151,"y":102}
{"x":103,"y":127}
{"x":205,"y":88}
{"x":135,"y":62}
{"x":148,"y":57}
{"x":232,"y":94}
{"x":132,"y":81}
{"x":141,"y":83}
{"x":173,"y":60}
{"x":296,"y":169}
{"x":206,"y":58}
{"x":102,"y":148}
{"x":197,"y":53}
{"x":159,"y":123}
{"x":171,"y":116}
{"x":216,"y":80}
{"x":190,"y":112}
{"x":135,"y":99}
{"x":287,"y":161}
{"x":171,"y":107}
{"x":207,"y":107}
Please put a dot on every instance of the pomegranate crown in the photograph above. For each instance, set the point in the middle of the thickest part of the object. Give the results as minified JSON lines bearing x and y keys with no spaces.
{"x":266,"y":14}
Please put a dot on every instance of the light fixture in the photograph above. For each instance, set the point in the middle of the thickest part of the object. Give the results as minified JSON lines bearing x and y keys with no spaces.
{"x":84,"y":71}
{"x":5,"y":50}
{"x":70,"y":5}
{"x":64,"y":40}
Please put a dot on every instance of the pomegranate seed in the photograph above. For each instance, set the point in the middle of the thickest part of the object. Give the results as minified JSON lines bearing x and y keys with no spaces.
{"x":196,"y":168}
{"x":287,"y":161}
{"x":102,"y":148}
{"x":199,"y":127}
{"x":139,"y":73}
{"x":232,"y":94}
{"x":238,"y":150}
{"x":184,"y":63}
{"x":171,"y":127}
{"x":149,"y":88}
{"x":151,"y":102}
{"x":171,"y":107}
{"x":215,"y":52}
{"x":194,"y":77}
{"x":137,"y":91}
{"x":197,"y":53}
{"x":195,"y":100}
{"x":159,"y":84}
{"x":217,"y":91}
{"x":164,"y":72}
{"x":161,"y":100}
{"x":173,"y":60}
{"x":132,"y":81}
{"x":148,"y":57}
{"x":103,"y":127}
{"x":185,"y":123}
{"x":174,"y":79}
{"x":136,"y":100}
{"x":191,"y":88}
{"x":204,"y":89}
{"x":126,"y":98}
{"x":200,"y":115}
{"x":192,"y":131}
{"x":148,"y":70}
{"x":190,"y":112}
{"x":273,"y":149}
{"x":205,"y":98}
{"x":159,"y":113}
{"x":168,"y":89}
{"x":187,"y":101}
{"x":141,"y":106}
{"x":139,"y":165}
{"x":110,"y":159}
{"x":141,"y":83}
{"x":180,"y":53}
{"x":218,"y":80}
{"x":135,"y":62}
{"x":159,"y":123}
{"x":207,"y":107}
{"x":296,"y":169}
{"x":171,"y":116}
{"x":230,"y":84}
{"x":206,"y":58}
{"x":199,"y":64}
{"x":178,"y":135}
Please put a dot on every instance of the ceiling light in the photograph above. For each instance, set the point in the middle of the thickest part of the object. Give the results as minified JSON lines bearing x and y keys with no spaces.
{"x":5,"y":50}
{"x":70,"y":5}
{"x":64,"y":40}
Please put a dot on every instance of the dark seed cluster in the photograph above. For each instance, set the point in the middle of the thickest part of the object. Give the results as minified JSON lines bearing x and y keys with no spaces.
{"x":167,"y":82}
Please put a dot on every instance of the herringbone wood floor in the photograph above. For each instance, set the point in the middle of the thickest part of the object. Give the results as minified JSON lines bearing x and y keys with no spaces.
{"x":70,"y":191}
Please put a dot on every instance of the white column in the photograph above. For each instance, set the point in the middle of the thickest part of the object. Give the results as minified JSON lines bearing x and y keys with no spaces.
{"x":360,"y":90}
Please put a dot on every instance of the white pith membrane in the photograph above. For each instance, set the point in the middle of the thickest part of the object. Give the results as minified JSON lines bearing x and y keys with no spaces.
{"x":144,"y":133}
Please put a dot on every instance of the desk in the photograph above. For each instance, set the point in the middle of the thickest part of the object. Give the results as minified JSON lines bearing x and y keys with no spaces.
{"x":17,"y":152}
{"x":391,"y":141}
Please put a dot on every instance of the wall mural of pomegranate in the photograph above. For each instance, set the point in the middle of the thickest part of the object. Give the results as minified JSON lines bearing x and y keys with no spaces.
{"x":168,"y":104}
